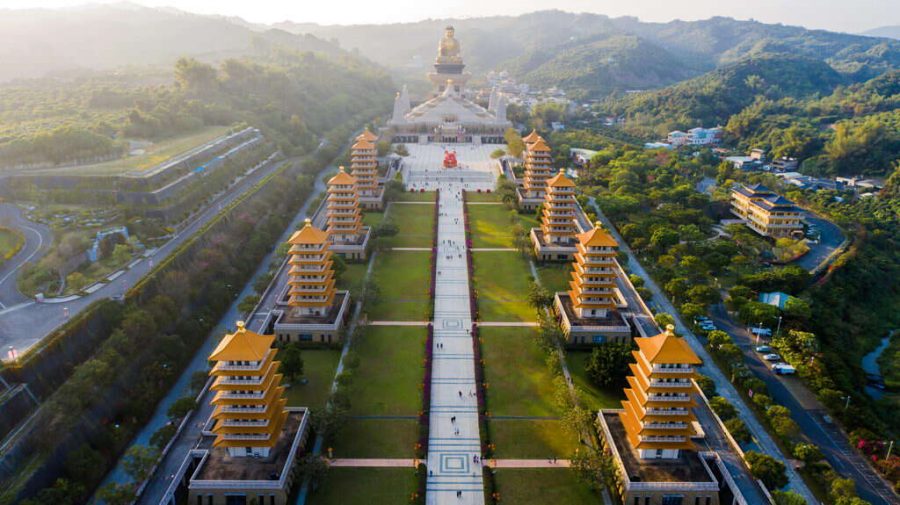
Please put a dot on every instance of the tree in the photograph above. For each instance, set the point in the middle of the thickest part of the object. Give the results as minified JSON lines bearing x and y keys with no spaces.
{"x":596,"y":469}
{"x":76,"y":281}
{"x":722,"y":407}
{"x":608,"y":364}
{"x":664,"y":320}
{"x":738,"y":430}
{"x":116,"y":494}
{"x":717,"y":338}
{"x":539,"y":297}
{"x":181,"y":407}
{"x":787,"y":498}
{"x":663,"y":238}
{"x":291,"y":361}
{"x":807,"y":453}
{"x":767,"y":469}
{"x":121,"y":253}
{"x":63,"y":492}
{"x":706,"y":384}
{"x":138,"y":461}
{"x":514,"y":143}
{"x":161,"y":437}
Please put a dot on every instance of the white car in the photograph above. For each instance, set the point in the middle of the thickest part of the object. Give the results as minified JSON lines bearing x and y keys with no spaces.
{"x":763,"y":349}
{"x":772,"y":357}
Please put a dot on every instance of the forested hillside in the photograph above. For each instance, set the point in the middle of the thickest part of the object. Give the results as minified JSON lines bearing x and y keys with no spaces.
{"x":293,"y":96}
{"x":574,"y":49}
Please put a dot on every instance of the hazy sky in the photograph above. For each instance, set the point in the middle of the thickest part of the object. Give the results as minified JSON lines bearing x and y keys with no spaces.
{"x":838,"y":15}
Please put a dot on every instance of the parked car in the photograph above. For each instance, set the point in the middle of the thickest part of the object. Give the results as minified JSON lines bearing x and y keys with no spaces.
{"x":783,"y":369}
{"x":772,"y":357}
{"x":762,"y":332}
{"x":701,"y":319}
{"x":763,"y":349}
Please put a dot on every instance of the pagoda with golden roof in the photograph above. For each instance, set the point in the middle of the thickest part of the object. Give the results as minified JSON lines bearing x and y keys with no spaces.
{"x":344,"y":217}
{"x":311,"y":276}
{"x":249,"y":398}
{"x":558,"y":219}
{"x":658,"y":415}
{"x":538,"y":168}
{"x":364,"y":167}
{"x":593,"y":285}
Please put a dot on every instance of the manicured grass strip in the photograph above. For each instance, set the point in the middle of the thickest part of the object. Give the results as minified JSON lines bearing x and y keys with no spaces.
{"x":474,"y":196}
{"x":415,"y":224}
{"x":353,"y":278}
{"x":10,"y":243}
{"x":365,"y":486}
{"x":377,"y":438}
{"x":555,"y":276}
{"x":409,"y":196}
{"x":594,"y":398}
{"x":492,"y":225}
{"x":519,"y":383}
{"x":390,"y":371}
{"x":403,"y":278}
{"x":373,"y":219}
{"x":319,"y":366}
{"x":531,"y":439}
{"x":534,"y":486}
{"x":502,"y":281}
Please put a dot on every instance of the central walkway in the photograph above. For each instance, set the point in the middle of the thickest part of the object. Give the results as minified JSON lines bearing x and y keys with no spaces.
{"x":454,"y":473}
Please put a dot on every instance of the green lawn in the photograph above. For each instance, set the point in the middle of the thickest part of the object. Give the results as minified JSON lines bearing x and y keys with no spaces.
{"x":372,"y":219}
{"x":474,"y":196}
{"x":10,"y":243}
{"x":403,"y":279}
{"x":390,"y":371}
{"x":377,"y":438}
{"x":533,"y":486}
{"x":365,"y":486}
{"x":515,"y":369}
{"x":353,"y":278}
{"x":318,"y":370}
{"x":492,"y":226}
{"x":594,"y":397}
{"x":555,"y":276}
{"x":531,"y":439}
{"x":409,"y":196}
{"x":502,"y":280}
{"x":415,"y":223}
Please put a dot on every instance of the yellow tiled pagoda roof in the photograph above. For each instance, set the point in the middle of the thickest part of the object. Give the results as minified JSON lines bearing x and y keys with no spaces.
{"x":539,"y":145}
{"x":667,"y":348}
{"x":531,"y":137}
{"x":363,"y":144}
{"x":342,"y":178}
{"x":242,"y":345}
{"x":597,"y":237}
{"x":367,"y":135}
{"x":560,"y":180}
{"x":309,"y":234}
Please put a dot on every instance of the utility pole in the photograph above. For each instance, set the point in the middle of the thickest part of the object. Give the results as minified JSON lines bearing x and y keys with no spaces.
{"x":890,"y":447}
{"x":847,"y":404}
{"x":778,"y":329}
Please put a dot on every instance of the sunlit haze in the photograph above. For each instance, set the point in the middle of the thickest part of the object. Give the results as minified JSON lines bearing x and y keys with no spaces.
{"x":837,"y":15}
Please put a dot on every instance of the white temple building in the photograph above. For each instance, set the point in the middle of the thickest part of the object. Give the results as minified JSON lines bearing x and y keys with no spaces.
{"x":449,"y":116}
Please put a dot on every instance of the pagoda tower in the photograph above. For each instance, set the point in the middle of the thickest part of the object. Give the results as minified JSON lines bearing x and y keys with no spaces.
{"x":249,"y":404}
{"x":558,"y":219}
{"x":658,"y":412}
{"x":594,"y":274}
{"x":363,"y":165}
{"x":344,"y":218}
{"x":311,"y":277}
{"x":531,"y":138}
{"x":538,"y":168}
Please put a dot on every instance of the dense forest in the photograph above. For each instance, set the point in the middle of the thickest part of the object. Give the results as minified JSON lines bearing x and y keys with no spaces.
{"x":292,"y":96}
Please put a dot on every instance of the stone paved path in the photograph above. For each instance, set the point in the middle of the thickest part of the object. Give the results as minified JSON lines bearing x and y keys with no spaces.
{"x":493,"y":463}
{"x":454,"y":442}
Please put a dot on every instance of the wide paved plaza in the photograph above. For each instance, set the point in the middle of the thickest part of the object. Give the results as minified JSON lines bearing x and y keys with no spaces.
{"x":423,"y":168}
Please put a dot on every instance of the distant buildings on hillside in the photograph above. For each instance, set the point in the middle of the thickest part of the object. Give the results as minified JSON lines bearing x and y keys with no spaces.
{"x":695,"y":137}
{"x":766,"y":212}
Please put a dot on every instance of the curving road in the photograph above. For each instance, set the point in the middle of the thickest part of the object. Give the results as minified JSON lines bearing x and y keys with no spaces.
{"x":38,"y":239}
{"x":25,"y":323}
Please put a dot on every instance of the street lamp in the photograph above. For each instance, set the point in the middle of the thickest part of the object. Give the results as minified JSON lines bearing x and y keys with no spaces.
{"x":778,"y":328}
{"x":847,"y":403}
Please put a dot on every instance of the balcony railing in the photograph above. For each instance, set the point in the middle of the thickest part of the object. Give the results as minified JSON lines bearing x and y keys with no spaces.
{"x":222,"y":365}
{"x":231,"y":395}
{"x":665,"y":426}
{"x":664,"y":384}
{"x":680,"y":369}
{"x":245,"y":436}
{"x":231,"y":381}
{"x":667,"y":412}
{"x":243,"y":410}
{"x":661,"y":398}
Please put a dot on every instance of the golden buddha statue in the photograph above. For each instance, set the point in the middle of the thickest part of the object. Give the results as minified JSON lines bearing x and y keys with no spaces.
{"x":448,"y":48}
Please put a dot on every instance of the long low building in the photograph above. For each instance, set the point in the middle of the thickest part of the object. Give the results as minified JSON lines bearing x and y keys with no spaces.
{"x":766,"y":212}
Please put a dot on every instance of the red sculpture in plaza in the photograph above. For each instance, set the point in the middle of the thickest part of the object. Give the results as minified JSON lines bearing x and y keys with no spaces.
{"x":450,"y":159}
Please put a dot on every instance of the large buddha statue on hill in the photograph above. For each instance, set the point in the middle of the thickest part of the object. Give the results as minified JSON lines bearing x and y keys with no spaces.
{"x":448,"y":48}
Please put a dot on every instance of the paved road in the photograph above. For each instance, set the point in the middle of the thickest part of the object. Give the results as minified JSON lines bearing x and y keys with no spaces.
{"x":27,"y":323}
{"x":723,"y":385}
{"x":808,"y":415}
{"x":38,"y":239}
{"x":831,"y":237}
